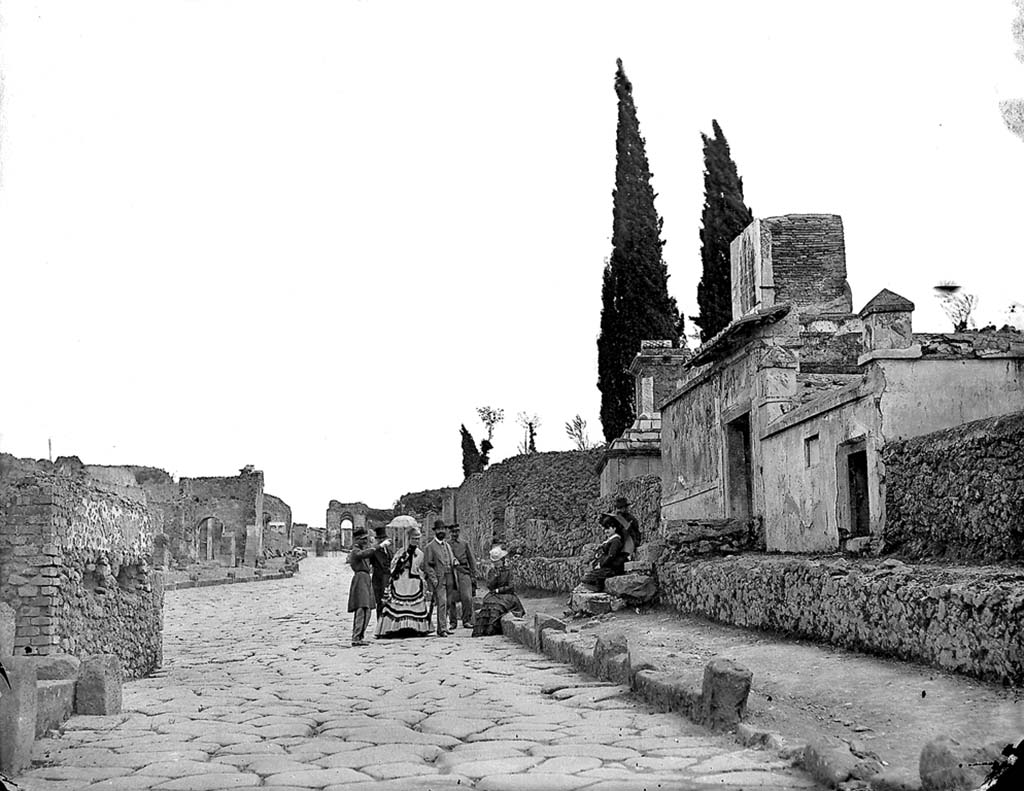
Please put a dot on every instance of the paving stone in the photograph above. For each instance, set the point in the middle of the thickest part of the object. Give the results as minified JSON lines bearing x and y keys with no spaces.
{"x":400,"y":769}
{"x":128,"y":783}
{"x":586,"y":749}
{"x":183,"y":768}
{"x":317,"y":778}
{"x":496,"y":766}
{"x":751,"y":779}
{"x":568,"y":764}
{"x":532,"y":782}
{"x":210,"y":782}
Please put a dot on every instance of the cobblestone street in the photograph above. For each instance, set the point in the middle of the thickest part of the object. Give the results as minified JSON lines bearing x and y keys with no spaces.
{"x":260,"y":688}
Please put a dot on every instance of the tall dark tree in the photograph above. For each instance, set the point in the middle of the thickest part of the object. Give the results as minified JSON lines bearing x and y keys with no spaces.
{"x":635,"y":303}
{"x":724,"y":216}
{"x":471,"y":461}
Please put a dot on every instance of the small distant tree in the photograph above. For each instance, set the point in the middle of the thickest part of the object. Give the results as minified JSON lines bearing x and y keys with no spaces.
{"x":490,"y":417}
{"x":957,"y":306}
{"x":530,"y":424}
{"x":576,"y":430}
{"x":471,"y":460}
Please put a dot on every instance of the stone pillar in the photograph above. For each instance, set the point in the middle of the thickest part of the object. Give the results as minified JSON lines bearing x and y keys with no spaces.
{"x":887,"y":322}
{"x":18,"y":713}
{"x":776,"y":372}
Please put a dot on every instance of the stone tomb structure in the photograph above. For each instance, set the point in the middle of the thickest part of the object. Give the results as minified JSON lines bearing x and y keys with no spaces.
{"x":75,"y":566}
{"x":785,"y":415}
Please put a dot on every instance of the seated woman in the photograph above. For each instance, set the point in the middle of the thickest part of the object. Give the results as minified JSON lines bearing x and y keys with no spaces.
{"x":612,"y":555}
{"x":500,"y":598}
{"x":404,"y":610}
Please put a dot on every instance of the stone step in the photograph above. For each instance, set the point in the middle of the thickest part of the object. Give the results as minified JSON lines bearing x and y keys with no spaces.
{"x":55,"y":700}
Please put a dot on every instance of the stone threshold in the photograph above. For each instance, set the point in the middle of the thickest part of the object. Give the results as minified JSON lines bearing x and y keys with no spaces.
{"x":173,"y":586}
{"x":718,"y":705}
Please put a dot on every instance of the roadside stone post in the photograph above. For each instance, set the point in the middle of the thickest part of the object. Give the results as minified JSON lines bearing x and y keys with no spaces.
{"x":18,"y":714}
{"x":99,"y":685}
{"x":724,"y":694}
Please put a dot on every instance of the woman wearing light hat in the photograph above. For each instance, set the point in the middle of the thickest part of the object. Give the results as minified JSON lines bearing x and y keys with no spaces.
{"x":500,"y":598}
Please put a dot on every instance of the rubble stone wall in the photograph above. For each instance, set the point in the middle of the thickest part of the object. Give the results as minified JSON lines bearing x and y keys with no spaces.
{"x":957,"y":494}
{"x":75,"y":568}
{"x":534,"y":567}
{"x":966,"y":621}
{"x":539,"y":504}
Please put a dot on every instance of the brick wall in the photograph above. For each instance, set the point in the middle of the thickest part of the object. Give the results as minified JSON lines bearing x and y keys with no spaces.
{"x":957,"y":494}
{"x":809,"y":260}
{"x":966,"y":621}
{"x":75,"y":568}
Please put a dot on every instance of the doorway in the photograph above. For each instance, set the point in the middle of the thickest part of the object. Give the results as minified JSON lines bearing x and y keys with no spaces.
{"x":738,"y":467}
{"x":854,"y":495}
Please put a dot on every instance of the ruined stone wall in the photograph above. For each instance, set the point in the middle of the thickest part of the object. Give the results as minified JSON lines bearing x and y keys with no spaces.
{"x":537,"y":503}
{"x":958,"y":494}
{"x":538,"y":562}
{"x":276,"y":511}
{"x":75,"y":569}
{"x":965,"y":621}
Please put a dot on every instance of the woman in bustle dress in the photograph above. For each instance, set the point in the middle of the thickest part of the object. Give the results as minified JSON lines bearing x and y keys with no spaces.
{"x":500,"y":599}
{"x":404,"y":612}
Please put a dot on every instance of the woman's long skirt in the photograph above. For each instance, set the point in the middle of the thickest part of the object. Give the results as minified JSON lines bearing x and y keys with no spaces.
{"x":404,"y":611}
{"x":495,"y":605}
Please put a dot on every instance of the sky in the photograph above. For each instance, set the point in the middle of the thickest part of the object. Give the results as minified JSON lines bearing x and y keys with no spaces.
{"x":316,"y":236}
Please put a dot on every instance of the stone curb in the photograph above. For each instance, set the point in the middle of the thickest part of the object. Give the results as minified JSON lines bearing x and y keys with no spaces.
{"x":173,"y":586}
{"x":612,"y":659}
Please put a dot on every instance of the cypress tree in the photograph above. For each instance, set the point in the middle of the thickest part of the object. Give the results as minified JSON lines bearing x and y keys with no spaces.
{"x":471,"y":461}
{"x":635,"y":303}
{"x":725,"y":215}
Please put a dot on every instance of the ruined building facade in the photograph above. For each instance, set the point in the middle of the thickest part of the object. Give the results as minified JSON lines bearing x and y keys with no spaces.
{"x":785,"y":415}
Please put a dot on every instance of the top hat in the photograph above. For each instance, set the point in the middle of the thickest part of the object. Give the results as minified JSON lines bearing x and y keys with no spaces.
{"x":359,"y":532}
{"x":381,"y":532}
{"x":440,"y":526}
{"x":606,"y":519}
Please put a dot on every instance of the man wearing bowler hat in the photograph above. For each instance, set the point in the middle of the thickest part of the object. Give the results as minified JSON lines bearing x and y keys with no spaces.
{"x":360,"y":593}
{"x":465,"y":581}
{"x":438,"y":563}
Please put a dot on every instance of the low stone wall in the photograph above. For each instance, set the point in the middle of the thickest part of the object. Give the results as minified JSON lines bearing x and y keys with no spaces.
{"x":962,"y":620}
{"x":75,"y":569}
{"x":549,"y":574}
{"x":957,"y":494}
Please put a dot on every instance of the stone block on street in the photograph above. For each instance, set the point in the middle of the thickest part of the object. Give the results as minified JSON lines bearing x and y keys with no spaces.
{"x":543,"y":622}
{"x":588,"y":602}
{"x":55,"y":700}
{"x":948,"y":765}
{"x":57,"y":667}
{"x":18,"y":707}
{"x":99,"y":685}
{"x":634,"y":588}
{"x":724,"y":693}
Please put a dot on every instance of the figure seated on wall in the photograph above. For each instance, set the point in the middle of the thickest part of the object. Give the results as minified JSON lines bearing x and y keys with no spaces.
{"x":614,"y":551}
{"x":500,"y":599}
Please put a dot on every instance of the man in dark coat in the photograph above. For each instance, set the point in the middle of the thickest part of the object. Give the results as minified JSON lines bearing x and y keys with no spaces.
{"x":360,"y":593}
{"x":465,"y":581}
{"x":381,"y":563}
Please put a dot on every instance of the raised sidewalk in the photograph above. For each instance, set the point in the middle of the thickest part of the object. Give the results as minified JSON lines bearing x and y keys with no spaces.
{"x":804,"y":691}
